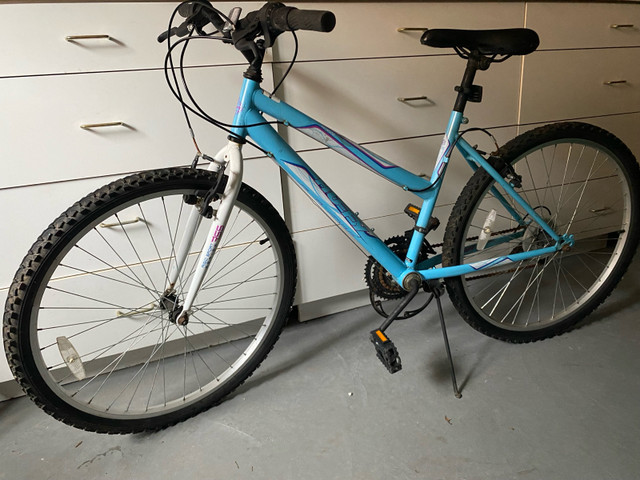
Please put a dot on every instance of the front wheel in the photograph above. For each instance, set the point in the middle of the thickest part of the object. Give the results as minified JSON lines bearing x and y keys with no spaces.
{"x":580,"y":180}
{"x":90,"y":325}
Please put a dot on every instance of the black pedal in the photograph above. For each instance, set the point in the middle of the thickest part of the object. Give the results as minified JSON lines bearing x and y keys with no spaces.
{"x":386,"y":351}
{"x":412,"y":211}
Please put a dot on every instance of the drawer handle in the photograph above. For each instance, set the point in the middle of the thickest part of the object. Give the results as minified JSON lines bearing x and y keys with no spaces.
{"x":615,"y":82}
{"x":413,"y":99}
{"x":124,"y":222}
{"x":89,"y":126}
{"x":622,"y":25}
{"x":74,"y":38}
{"x":120,"y":313}
{"x":413,"y":29}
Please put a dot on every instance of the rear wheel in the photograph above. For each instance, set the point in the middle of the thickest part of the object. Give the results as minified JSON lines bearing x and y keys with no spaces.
{"x":582,"y":181}
{"x":90,"y":328}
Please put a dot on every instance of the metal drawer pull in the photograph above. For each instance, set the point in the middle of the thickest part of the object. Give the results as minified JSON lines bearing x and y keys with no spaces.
{"x":120,"y":313}
{"x":413,"y":29}
{"x":124,"y":222}
{"x":614,"y":82}
{"x":412,"y":99}
{"x":73,"y":38}
{"x":89,"y":126}
{"x":622,"y":25}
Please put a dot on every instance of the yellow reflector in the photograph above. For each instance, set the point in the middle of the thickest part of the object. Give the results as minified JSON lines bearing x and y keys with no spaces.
{"x":381,"y":335}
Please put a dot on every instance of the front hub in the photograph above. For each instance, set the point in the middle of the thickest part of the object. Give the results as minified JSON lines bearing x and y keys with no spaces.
{"x":169,"y":302}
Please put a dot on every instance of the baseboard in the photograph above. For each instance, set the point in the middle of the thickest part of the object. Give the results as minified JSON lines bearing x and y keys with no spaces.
{"x":10,"y":389}
{"x":329,"y":306}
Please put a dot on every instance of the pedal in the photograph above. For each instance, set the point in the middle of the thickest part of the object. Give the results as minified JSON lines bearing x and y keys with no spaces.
{"x":386,"y":351}
{"x":413,"y":213}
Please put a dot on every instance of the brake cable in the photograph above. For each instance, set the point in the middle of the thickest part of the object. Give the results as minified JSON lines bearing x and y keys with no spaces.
{"x":197,"y":109}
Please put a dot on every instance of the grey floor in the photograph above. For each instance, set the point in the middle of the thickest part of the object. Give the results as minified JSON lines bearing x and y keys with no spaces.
{"x":322,"y":406}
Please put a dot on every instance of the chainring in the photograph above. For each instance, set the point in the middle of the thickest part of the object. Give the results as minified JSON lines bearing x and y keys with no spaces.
{"x":379,"y":281}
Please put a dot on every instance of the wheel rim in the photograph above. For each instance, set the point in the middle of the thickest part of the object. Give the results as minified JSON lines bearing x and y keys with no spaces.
{"x":582,"y":190}
{"x":146,"y":365}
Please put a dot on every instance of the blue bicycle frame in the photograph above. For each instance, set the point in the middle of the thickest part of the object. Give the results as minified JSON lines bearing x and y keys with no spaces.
{"x":253,"y":103}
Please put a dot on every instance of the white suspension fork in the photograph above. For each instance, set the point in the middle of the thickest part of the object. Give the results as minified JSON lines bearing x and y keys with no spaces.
{"x":191,"y":227}
{"x":230,"y":156}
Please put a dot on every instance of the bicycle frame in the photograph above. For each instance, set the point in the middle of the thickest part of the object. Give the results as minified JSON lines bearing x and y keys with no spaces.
{"x":253,"y":104}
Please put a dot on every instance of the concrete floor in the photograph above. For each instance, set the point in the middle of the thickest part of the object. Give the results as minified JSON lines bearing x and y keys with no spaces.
{"x":322,"y":406}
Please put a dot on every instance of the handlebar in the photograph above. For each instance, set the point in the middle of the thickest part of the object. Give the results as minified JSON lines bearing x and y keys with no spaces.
{"x":271,"y":20}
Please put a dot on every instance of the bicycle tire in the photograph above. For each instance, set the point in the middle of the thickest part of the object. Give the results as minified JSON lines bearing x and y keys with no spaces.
{"x":157,"y":373}
{"x":582,"y":180}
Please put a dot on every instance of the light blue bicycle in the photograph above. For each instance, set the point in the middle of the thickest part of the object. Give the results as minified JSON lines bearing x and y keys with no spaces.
{"x":154,"y":297}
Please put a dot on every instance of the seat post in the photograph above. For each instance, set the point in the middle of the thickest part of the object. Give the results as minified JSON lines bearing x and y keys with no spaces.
{"x":467,"y":91}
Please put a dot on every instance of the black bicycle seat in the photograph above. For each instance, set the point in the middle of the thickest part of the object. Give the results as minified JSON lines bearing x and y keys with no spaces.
{"x":511,"y":41}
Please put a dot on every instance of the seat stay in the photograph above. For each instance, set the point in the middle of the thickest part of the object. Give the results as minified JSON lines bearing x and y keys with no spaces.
{"x":469,"y":152}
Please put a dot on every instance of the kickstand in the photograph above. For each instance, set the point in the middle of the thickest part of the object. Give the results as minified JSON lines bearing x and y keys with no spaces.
{"x":437,"y":291}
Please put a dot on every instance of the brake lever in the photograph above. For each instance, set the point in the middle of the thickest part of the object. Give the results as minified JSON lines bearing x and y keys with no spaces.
{"x":233,"y":17}
{"x":179,"y":31}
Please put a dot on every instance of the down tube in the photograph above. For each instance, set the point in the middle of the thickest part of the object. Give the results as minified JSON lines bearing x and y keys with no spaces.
{"x":321,"y":193}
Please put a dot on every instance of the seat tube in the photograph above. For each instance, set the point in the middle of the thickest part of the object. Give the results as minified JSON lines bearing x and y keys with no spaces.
{"x":430,"y":197}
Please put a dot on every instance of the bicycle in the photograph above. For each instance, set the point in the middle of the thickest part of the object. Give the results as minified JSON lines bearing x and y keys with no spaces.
{"x":201,"y":270}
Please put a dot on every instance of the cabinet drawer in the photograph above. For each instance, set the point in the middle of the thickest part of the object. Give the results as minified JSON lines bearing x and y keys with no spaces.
{"x":39,"y":31}
{"x":573,"y":84}
{"x":46,"y":114}
{"x":584,"y":25}
{"x":365,"y":30}
{"x":336,"y":95}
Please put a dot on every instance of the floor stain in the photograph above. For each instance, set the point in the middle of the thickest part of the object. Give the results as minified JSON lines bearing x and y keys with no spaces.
{"x":103,"y":454}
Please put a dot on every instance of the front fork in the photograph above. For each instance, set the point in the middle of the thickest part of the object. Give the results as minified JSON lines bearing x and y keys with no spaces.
{"x":231,"y":157}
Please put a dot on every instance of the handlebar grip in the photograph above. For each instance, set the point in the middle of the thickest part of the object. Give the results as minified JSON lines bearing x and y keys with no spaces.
{"x":290,"y":18}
